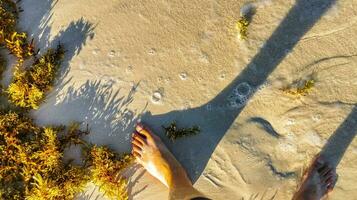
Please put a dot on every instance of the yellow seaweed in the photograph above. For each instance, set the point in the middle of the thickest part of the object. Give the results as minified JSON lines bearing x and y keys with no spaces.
{"x":302,"y":90}
{"x":31,"y":156}
{"x":242,"y":27}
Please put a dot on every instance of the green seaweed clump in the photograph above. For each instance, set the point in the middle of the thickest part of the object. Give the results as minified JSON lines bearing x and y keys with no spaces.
{"x":173,"y":133}
{"x":29,"y":86}
{"x":106,"y":169}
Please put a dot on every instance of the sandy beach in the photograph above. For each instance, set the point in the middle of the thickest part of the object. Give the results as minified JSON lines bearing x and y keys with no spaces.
{"x":182,"y":60}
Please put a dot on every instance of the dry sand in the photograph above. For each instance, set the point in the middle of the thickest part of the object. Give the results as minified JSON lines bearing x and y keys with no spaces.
{"x":165,"y":60}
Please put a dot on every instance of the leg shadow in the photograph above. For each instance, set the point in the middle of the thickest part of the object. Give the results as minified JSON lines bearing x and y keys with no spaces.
{"x":338,"y":143}
{"x":216,"y":116}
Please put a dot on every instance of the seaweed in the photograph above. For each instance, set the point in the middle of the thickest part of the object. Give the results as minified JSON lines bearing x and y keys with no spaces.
{"x":302,"y":90}
{"x":242,"y":27}
{"x":246,"y":15}
{"x":10,"y":37}
{"x":32,"y":164}
{"x":29,"y":86}
{"x":173,"y":133}
{"x":106,"y":169}
{"x":32,"y":161}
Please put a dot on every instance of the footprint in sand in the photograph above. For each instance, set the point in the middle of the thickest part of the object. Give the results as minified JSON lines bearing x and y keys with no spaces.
{"x":129,"y":69}
{"x":316,"y":118}
{"x":152,"y":51}
{"x":183,"y":76}
{"x":95,"y":51}
{"x":290,"y":122}
{"x":157,"y":96}
{"x":204,"y":58}
{"x":111,"y":53}
{"x":222,"y":76}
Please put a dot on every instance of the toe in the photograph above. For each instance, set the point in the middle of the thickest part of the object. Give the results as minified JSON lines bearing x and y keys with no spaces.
{"x":137,"y":155}
{"x":331,"y":177}
{"x":137,"y":143}
{"x":136,"y":151}
{"x":140,"y":128}
{"x":327,"y":172}
{"x":328,"y":179}
{"x":139,"y":137}
{"x":331,"y":186}
{"x":137,"y":148}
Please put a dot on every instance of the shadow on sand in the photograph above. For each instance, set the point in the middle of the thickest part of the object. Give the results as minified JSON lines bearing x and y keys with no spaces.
{"x":194,"y":153}
{"x":35,"y":21}
{"x":73,"y":37}
{"x":96,"y":103}
{"x":339,"y":141}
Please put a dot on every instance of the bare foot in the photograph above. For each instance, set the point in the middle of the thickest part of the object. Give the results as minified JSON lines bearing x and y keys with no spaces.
{"x":318,"y":182}
{"x":153,"y":155}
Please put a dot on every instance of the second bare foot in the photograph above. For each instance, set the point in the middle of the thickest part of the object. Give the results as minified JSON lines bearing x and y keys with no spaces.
{"x":318,"y":182}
